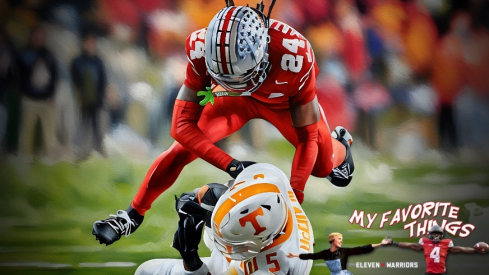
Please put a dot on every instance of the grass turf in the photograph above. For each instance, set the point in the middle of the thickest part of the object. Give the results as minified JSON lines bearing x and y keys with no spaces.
{"x":48,"y":210}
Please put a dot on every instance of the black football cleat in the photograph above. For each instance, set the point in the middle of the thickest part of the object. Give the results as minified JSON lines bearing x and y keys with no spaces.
{"x":343,"y":174}
{"x":110,"y":230}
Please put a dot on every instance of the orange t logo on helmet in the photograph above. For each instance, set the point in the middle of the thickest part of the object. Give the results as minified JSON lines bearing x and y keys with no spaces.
{"x":251,"y":217}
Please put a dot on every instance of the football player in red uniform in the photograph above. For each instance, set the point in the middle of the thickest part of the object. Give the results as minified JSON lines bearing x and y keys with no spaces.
{"x":267,"y":70}
{"x":435,"y":249}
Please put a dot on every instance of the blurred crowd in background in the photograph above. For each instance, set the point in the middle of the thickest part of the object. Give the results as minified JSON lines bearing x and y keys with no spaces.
{"x":100,"y":76}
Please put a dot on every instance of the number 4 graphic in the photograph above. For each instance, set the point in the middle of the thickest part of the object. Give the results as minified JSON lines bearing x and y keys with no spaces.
{"x":293,"y":44}
{"x":435,"y":254}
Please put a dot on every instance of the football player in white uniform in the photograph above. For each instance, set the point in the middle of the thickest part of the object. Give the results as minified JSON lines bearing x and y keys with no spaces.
{"x":250,"y":225}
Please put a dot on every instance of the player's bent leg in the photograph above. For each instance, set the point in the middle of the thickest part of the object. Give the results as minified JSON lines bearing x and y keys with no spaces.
{"x":159,"y":178}
{"x":163,"y":173}
{"x":168,"y":166}
{"x":343,"y":174}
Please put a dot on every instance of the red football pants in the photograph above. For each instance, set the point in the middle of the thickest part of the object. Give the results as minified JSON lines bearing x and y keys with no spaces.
{"x":217,"y":121}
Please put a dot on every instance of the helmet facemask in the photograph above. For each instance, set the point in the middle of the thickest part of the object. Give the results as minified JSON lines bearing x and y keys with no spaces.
{"x":236,"y":45}
{"x":250,"y":226}
{"x":435,"y":233}
{"x":240,"y":251}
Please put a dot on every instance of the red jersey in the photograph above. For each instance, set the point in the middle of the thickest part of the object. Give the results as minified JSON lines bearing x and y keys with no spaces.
{"x":291,"y":77}
{"x":435,"y":254}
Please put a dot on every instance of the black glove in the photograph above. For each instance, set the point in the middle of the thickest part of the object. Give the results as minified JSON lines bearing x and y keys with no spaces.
{"x":192,"y":218}
{"x":236,"y":166}
{"x":189,"y":232}
{"x":188,"y":204}
{"x":188,"y":235}
{"x":186,"y":241}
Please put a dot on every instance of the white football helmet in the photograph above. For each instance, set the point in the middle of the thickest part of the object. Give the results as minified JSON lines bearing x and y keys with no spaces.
{"x":247,"y":219}
{"x":236,"y":49}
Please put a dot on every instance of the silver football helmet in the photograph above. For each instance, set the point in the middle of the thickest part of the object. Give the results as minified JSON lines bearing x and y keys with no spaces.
{"x":435,"y":229}
{"x":236,"y":49}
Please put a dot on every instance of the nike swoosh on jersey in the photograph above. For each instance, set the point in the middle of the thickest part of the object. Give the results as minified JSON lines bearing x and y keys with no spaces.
{"x":275,"y":95}
{"x":276,"y":82}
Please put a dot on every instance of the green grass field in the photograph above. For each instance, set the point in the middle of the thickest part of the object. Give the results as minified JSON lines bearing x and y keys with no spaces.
{"x":47,"y":211}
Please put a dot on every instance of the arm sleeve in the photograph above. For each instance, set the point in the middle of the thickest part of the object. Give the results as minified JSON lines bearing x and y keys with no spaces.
{"x":364,"y":249}
{"x":322,"y":255}
{"x":184,"y":129}
{"x":305,"y":155}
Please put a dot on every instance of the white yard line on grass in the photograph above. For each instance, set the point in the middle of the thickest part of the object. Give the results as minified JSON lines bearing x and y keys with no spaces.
{"x":108,"y":264}
{"x":60,"y":265}
{"x":36,"y":264}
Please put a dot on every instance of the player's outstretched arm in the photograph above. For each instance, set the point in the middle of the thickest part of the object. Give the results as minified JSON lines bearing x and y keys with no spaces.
{"x":480,"y":247}
{"x":413,"y":246}
{"x":384,"y":242}
{"x":309,"y":256}
{"x":462,"y":249}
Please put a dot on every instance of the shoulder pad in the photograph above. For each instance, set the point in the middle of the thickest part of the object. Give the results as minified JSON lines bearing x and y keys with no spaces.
{"x":194,"y":45}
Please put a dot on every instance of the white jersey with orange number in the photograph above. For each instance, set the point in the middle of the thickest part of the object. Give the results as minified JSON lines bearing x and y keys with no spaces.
{"x":297,"y":237}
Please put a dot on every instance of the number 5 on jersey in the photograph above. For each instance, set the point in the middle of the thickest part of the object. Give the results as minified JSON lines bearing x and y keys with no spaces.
{"x":251,"y":265}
